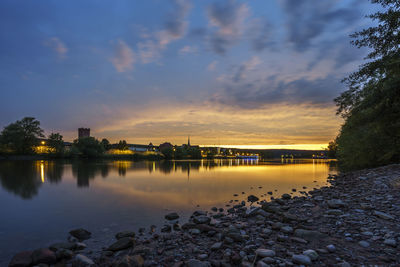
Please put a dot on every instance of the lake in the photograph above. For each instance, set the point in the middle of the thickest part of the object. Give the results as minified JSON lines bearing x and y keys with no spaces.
{"x":41,"y":201}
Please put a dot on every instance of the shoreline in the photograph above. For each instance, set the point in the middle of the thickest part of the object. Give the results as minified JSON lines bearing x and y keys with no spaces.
{"x":352,"y":222}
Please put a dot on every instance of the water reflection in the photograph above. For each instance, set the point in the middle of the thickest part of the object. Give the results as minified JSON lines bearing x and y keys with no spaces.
{"x":24,"y":178}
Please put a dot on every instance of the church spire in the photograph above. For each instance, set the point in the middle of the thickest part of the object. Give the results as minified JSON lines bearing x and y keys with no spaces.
{"x":188,"y":140}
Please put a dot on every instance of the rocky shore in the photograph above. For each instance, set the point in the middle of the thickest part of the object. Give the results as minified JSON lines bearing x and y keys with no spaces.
{"x":353,"y":222}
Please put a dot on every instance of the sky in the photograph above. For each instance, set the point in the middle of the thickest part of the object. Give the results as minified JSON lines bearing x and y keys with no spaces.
{"x":225,"y":72}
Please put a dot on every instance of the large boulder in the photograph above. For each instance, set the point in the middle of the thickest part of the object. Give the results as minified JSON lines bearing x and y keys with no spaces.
{"x":43,"y":255}
{"x":129,"y":261}
{"x":80,"y":234}
{"x":202,"y":219}
{"x":125,"y":234}
{"x":172,"y":216}
{"x":21,"y":259}
{"x":123,"y":243}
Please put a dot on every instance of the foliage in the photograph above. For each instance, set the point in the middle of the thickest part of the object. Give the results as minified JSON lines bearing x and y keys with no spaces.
{"x":21,"y":136}
{"x":55,"y":141}
{"x":105,"y":143}
{"x":122,"y":145}
{"x":332,"y":149}
{"x":168,"y":152}
{"x":370,"y":135}
{"x":88,"y":146}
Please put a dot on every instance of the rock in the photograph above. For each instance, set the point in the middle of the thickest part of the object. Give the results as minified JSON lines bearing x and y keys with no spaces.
{"x":252,"y":198}
{"x":335,"y":203}
{"x":202,"y":219}
{"x":21,"y":259}
{"x":383,"y":215}
{"x":125,"y":234}
{"x":80,"y":246}
{"x":265,"y":252}
{"x":197,"y":263}
{"x":64,"y":254}
{"x":63,"y":245}
{"x":166,"y":228}
{"x":121,"y":244}
{"x":202,"y":256}
{"x":308,"y":234}
{"x":172,"y":216}
{"x":81,"y":260}
{"x":331,"y":248}
{"x":312,"y":254}
{"x":287,"y":229}
{"x":286,"y":196}
{"x":43,"y":255}
{"x":390,"y":242}
{"x":301,"y":259}
{"x":216,"y":246}
{"x":81,"y":234}
{"x":129,"y":261}
{"x":364,"y":244}
{"x":261,"y":263}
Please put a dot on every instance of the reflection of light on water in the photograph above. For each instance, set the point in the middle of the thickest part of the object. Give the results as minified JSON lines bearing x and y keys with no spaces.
{"x":42,"y":171}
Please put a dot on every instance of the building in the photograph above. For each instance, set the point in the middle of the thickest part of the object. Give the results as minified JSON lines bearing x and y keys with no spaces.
{"x":165,"y":145}
{"x":83,"y":132}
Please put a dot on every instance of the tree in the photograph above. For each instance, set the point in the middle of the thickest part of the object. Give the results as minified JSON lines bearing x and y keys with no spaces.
{"x":88,"y":146}
{"x":122,"y":145}
{"x":56,"y":142}
{"x":21,"y":136}
{"x":168,"y":152}
{"x":105,"y":143}
{"x":332,"y":149}
{"x":370,"y":135}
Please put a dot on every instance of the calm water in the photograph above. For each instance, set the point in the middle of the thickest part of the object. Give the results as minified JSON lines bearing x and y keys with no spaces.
{"x":40,"y":201}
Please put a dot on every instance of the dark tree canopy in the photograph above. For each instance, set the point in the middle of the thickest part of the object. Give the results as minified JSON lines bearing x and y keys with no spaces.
{"x":21,"y":136}
{"x":370,"y":135}
{"x":56,"y":141}
{"x":88,"y":146}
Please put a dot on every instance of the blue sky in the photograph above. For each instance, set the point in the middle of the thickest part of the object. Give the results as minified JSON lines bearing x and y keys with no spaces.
{"x":225,"y":72}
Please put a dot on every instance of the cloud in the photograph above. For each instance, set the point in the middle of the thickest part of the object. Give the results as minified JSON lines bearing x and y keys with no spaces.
{"x":187,"y":49}
{"x":260,"y":34}
{"x":212,"y":65}
{"x":57,"y":46}
{"x":150,"y":49}
{"x":246,"y":67}
{"x":124,"y":57}
{"x":308,"y":20}
{"x":228,"y":18}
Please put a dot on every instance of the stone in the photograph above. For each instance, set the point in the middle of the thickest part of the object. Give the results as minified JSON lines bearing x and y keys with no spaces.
{"x":265,"y":252}
{"x":123,"y":243}
{"x":216,"y":246}
{"x":64,"y":254}
{"x":312,"y":254}
{"x":202,"y":219}
{"x":364,"y":244}
{"x":252,"y":198}
{"x":125,"y":234}
{"x":21,"y":259}
{"x":301,"y":259}
{"x":287,"y":229}
{"x":286,"y":196}
{"x":80,"y":246}
{"x":82,"y":260}
{"x":261,"y":263}
{"x":43,"y":255}
{"x":390,"y":242}
{"x":81,"y":234}
{"x":308,"y":234}
{"x":383,"y":215}
{"x":166,"y":228}
{"x":129,"y":261}
{"x":172,"y":216}
{"x":335,"y":203}
{"x":331,"y":248}
{"x":197,"y":263}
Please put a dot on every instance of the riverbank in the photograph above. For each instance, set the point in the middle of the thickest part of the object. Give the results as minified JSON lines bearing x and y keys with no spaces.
{"x":353,"y":222}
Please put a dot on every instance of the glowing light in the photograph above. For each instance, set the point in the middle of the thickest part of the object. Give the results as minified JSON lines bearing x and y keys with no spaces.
{"x":296,"y":146}
{"x":43,"y":142}
{"x":42,"y":171}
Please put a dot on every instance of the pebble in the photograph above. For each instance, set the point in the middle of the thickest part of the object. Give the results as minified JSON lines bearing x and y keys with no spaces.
{"x":265,"y":252}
